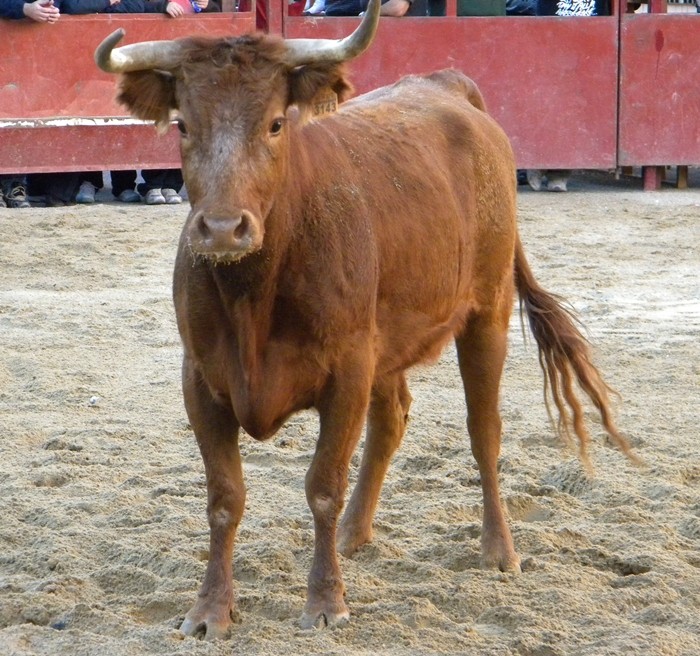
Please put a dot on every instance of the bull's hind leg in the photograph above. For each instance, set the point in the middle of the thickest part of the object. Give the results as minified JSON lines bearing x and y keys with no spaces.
{"x":216,"y":429}
{"x":481,"y":348}
{"x":386,"y":423}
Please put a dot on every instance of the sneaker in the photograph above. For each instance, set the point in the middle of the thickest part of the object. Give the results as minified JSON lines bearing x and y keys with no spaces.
{"x":2,"y":201}
{"x":172,"y":197}
{"x":154,"y":197}
{"x":556,"y":182}
{"x":129,"y":196}
{"x":17,"y":197}
{"x":86,"y":193}
{"x":314,"y":8}
{"x":535,"y":179}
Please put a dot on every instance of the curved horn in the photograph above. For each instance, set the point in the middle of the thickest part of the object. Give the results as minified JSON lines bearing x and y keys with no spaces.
{"x":311,"y":51}
{"x":144,"y":56}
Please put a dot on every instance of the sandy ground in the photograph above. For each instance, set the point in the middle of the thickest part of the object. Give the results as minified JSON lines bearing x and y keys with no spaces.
{"x":103,"y":537}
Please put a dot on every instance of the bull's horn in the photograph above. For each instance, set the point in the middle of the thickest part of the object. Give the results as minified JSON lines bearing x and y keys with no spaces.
{"x":144,"y":56}
{"x":310,"y":51}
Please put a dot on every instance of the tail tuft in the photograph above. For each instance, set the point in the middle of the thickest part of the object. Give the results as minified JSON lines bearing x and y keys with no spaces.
{"x":565,"y":359}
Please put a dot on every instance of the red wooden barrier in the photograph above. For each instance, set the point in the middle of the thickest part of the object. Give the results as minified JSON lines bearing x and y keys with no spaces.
{"x":571,"y":92}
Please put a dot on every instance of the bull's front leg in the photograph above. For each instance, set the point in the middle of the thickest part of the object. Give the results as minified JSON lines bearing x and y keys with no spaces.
{"x":342,"y":412}
{"x":216,"y":429}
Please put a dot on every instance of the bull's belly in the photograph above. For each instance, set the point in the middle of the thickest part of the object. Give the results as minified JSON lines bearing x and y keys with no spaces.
{"x":410,"y":337}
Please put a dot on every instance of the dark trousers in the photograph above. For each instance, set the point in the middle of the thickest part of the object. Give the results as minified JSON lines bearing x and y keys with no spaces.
{"x":121,"y":180}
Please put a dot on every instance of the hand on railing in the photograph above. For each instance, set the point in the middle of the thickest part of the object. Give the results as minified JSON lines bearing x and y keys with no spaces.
{"x":41,"y":11}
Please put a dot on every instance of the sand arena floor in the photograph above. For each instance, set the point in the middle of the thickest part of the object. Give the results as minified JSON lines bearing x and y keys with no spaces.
{"x":103,"y":538}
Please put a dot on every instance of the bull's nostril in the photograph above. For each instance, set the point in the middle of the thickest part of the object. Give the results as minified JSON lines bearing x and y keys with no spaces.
{"x":242,"y":230}
{"x":200,"y":225}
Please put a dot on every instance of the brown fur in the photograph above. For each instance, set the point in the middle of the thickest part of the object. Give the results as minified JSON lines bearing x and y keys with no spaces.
{"x":319,"y":261}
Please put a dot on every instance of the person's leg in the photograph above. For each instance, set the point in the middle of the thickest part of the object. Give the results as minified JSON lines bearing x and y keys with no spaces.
{"x":344,"y":7}
{"x":56,"y":188}
{"x":90,"y":182}
{"x":172,"y":183}
{"x":152,"y":185}
{"x":557,"y":179}
{"x":173,"y":179}
{"x":535,"y":178}
{"x":124,"y":186}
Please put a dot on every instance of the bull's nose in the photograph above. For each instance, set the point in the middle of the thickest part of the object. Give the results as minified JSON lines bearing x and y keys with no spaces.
{"x":235,"y":233}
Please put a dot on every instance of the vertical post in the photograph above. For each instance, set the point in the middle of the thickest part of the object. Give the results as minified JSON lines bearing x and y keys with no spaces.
{"x":653,"y":177}
{"x":276,"y":15}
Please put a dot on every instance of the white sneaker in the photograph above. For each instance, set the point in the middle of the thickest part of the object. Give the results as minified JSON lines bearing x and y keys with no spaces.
{"x":315,"y":8}
{"x":154,"y":197}
{"x":171,"y":197}
{"x":86,"y":193}
{"x":535,"y":178}
{"x":556,"y":182}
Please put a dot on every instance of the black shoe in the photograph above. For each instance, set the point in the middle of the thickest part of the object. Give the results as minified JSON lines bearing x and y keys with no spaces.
{"x":17,"y":198}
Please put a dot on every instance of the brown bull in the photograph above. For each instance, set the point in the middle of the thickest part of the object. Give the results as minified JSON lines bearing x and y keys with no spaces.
{"x":321,"y":259}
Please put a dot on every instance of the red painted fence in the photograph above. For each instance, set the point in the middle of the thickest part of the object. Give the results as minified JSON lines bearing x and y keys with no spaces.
{"x":593,"y":93}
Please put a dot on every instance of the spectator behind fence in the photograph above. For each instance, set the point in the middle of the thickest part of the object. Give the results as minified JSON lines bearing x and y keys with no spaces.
{"x":13,"y":187}
{"x":394,"y":8}
{"x":173,"y":8}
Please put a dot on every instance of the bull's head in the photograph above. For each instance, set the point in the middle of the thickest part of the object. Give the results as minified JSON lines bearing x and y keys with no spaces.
{"x":231,"y":100}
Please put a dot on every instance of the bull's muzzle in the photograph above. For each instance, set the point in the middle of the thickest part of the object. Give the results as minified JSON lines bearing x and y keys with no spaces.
{"x":225,"y":238}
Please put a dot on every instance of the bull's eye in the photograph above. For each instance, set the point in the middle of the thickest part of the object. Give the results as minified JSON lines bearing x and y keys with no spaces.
{"x":276,"y":126}
{"x":181,"y":127}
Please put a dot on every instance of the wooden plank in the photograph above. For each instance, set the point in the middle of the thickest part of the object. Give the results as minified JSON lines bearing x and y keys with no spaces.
{"x":659,"y":91}
{"x":85,"y":147}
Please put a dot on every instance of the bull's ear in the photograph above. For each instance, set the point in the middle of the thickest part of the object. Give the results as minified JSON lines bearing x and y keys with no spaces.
{"x":306,"y":82}
{"x":149,"y":95}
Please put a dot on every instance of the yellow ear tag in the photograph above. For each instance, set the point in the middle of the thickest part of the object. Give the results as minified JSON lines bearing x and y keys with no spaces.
{"x":324,"y":102}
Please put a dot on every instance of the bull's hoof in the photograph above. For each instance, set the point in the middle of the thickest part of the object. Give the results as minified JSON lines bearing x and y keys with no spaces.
{"x":207,"y":621}
{"x":325,"y":609}
{"x":322,"y":619}
{"x":498,"y":551}
{"x":501,"y":557}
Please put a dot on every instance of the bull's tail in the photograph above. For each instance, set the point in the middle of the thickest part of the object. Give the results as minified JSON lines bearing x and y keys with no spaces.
{"x":564,"y":357}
